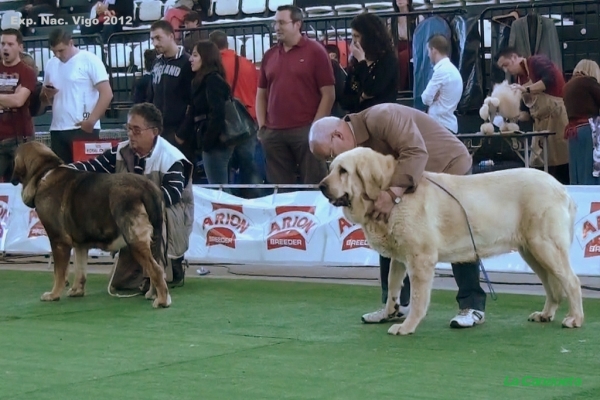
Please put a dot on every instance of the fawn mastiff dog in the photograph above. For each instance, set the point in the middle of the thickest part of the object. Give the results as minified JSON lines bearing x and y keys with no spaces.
{"x":523,"y":209}
{"x":84,"y":210}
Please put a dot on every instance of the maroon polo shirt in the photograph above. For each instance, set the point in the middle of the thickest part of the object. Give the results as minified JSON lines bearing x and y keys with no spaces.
{"x":293,"y":80}
{"x":541,"y":68}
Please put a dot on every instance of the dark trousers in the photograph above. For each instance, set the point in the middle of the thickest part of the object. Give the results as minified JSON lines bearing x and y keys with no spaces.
{"x":287,"y":149}
{"x":470,"y":294}
{"x":61,"y":142}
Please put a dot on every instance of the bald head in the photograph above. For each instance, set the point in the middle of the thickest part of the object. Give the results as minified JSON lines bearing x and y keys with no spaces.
{"x":319,"y":137}
{"x":330,"y":136}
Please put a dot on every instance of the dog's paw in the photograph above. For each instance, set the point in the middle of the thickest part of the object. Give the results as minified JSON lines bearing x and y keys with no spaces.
{"x":572,"y":322}
{"x":539,"y":316}
{"x":400,"y":329}
{"x":164,"y":304}
{"x":49,"y":296}
{"x":76,"y":292}
{"x":150,"y":295}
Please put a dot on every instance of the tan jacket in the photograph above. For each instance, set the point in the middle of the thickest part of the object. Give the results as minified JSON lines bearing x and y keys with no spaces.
{"x":418,"y":142}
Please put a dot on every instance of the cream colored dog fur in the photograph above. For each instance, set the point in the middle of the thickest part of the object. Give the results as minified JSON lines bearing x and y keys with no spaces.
{"x":504,"y":101}
{"x":519,"y":209}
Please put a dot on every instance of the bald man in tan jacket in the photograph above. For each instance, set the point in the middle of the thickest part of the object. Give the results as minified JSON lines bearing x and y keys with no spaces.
{"x":419,"y":143}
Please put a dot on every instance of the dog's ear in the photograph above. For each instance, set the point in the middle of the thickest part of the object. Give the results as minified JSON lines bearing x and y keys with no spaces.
{"x":371,"y":173}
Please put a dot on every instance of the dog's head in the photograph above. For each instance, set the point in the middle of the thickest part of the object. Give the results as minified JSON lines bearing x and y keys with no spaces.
{"x":32,"y":161}
{"x":356,"y":178}
{"x":508,"y":99}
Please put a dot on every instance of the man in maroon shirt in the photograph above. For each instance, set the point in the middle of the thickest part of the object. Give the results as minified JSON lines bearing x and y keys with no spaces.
{"x":542,"y":85}
{"x":17,"y":82}
{"x":295,"y":88}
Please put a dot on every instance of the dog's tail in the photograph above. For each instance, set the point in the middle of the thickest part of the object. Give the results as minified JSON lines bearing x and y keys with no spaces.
{"x":154,"y":203}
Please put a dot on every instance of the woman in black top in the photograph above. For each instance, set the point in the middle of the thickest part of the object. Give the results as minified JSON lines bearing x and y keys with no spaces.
{"x":373,"y":72}
{"x":205,"y":117}
{"x":205,"y":122}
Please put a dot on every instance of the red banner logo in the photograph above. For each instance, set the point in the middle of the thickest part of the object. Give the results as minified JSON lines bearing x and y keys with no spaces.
{"x":291,"y":227}
{"x":4,"y":214}
{"x":589,"y":232}
{"x":355,"y":239}
{"x":36,"y":229}
{"x":223,"y":223}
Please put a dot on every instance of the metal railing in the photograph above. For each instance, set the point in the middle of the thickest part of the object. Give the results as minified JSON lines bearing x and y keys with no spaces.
{"x":250,"y":39}
{"x":577,"y":24}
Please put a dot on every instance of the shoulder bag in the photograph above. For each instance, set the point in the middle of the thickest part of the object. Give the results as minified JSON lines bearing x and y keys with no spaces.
{"x":239,"y":123}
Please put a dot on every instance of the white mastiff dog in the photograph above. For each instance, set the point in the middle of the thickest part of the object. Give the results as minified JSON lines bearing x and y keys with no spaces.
{"x":523,"y":209}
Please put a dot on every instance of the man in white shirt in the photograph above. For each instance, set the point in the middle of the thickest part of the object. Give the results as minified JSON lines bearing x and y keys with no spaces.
{"x":444,"y":90}
{"x":76,"y":85}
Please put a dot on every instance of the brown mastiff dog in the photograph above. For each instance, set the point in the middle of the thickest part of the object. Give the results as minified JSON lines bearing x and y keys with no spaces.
{"x":84,"y":210}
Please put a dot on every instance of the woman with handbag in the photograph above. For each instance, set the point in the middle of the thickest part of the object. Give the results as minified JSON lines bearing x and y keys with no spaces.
{"x":212,"y":124}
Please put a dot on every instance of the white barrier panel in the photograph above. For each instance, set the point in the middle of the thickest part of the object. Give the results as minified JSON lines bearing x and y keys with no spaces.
{"x":299,"y":228}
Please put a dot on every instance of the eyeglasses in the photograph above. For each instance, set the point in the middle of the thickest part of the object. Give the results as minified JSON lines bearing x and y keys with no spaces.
{"x":136,"y":130}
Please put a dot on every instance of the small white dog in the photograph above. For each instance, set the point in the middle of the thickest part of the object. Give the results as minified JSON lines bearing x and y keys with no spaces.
{"x":504,"y":101}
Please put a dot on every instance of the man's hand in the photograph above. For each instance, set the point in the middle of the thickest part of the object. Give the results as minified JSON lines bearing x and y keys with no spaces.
{"x":384,"y":203}
{"x":87,"y":125}
{"x":49,"y":91}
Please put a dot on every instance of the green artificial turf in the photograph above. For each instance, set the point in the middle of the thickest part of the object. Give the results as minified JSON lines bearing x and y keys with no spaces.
{"x":249,"y":339}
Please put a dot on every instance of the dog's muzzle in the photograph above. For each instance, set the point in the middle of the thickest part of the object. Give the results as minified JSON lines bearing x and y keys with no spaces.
{"x":343,"y":201}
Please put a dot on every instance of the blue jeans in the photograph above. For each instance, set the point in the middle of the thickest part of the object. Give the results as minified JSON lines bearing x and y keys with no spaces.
{"x":581,"y":160}
{"x":216,"y":164}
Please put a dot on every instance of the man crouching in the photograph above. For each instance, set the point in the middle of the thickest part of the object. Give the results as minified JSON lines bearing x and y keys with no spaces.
{"x":147,"y":153}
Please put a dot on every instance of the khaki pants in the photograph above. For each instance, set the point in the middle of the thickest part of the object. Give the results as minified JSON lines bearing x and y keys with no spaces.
{"x":549,"y":114}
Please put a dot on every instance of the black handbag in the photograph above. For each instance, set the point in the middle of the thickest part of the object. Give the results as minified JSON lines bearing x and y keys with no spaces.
{"x":240,"y":125}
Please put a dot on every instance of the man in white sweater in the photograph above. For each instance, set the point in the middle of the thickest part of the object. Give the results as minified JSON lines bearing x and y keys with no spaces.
{"x":444,"y":90}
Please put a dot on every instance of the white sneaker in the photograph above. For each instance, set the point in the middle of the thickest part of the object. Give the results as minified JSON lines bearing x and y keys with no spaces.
{"x":467,"y":318}
{"x":380,"y":316}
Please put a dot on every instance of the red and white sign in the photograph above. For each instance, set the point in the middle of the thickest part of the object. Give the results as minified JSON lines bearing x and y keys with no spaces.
{"x":4,"y":217}
{"x":295,"y":229}
{"x":292,"y":228}
{"x":36,"y":229}
{"x":223,"y":223}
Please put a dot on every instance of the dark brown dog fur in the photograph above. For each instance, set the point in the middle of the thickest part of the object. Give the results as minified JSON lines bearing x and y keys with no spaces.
{"x":84,"y":210}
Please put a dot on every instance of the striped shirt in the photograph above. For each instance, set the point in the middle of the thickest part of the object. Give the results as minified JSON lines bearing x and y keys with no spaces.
{"x":172,"y":183}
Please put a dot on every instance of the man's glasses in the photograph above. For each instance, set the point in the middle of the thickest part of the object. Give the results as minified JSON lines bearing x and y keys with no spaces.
{"x":136,"y":130}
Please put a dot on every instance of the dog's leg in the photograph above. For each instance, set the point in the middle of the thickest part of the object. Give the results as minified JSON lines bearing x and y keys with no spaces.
{"x":143,"y":255}
{"x":395,"y":279}
{"x":553,"y":294}
{"x":62,"y":255}
{"x":421,"y":270}
{"x":554,"y":257}
{"x":78,"y":288}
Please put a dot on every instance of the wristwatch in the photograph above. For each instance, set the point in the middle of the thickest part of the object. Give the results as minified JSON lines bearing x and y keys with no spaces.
{"x":395,"y":198}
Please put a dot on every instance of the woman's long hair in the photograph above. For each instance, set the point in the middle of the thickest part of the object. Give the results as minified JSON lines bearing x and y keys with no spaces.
{"x":376,"y":40}
{"x":211,"y":60}
{"x":587,"y":68}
